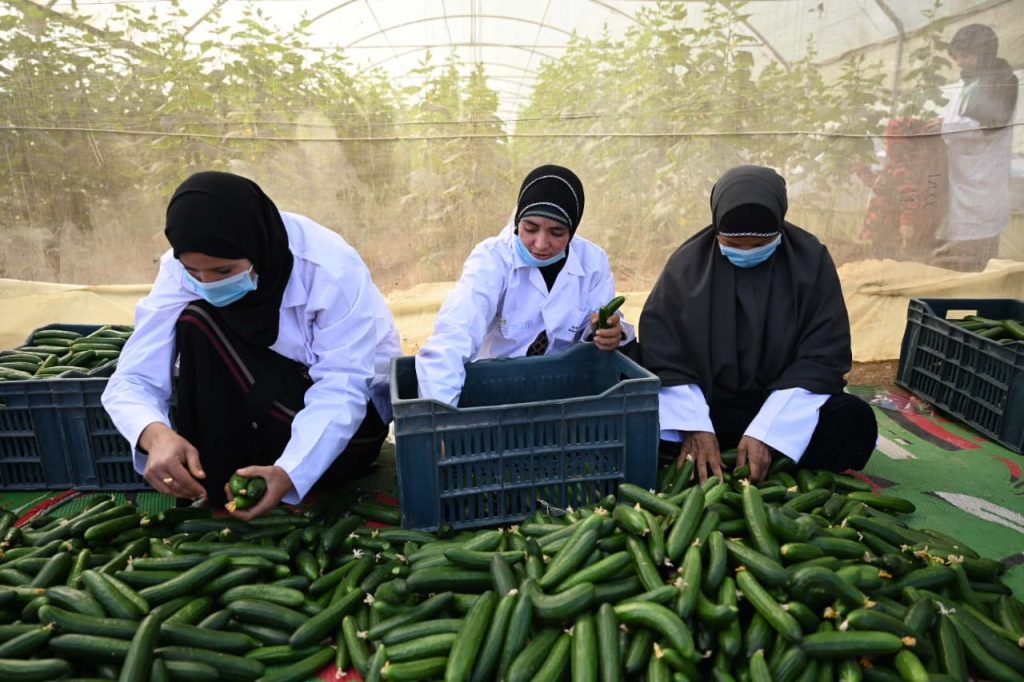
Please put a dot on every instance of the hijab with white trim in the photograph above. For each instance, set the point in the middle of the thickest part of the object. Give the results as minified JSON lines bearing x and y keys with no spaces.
{"x":555,"y":193}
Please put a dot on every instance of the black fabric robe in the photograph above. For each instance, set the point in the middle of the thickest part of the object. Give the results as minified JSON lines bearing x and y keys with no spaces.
{"x":742,"y":333}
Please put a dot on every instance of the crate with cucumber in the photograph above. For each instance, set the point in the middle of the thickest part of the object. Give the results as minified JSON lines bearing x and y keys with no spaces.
{"x":1003,"y":331}
{"x":53,"y":352}
{"x":804,"y":576}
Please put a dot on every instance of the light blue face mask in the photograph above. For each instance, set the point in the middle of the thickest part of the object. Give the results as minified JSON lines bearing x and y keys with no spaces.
{"x":224,"y":291}
{"x":748,"y":258}
{"x":529,"y":259}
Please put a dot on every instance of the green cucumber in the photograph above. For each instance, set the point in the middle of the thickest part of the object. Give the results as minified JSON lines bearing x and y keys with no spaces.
{"x":850,"y":643}
{"x":425,"y":647}
{"x":138,"y":662}
{"x":756,"y":516}
{"x":78,"y":623}
{"x":770,"y":610}
{"x":420,"y":612}
{"x":648,"y":500}
{"x":91,"y":647}
{"x":26,"y":644}
{"x":303,"y":669}
{"x":470,"y":637}
{"x":883,"y":502}
{"x":269,"y":593}
{"x":660,"y":619}
{"x":114,"y":602}
{"x":610,"y":657}
{"x":553,"y":668}
{"x":78,"y":601}
{"x":424,"y":669}
{"x":532,"y":657}
{"x":188,"y":582}
{"x":229,"y":666}
{"x":490,"y":651}
{"x":600,"y":571}
{"x":517,"y":632}
{"x":215,"y":640}
{"x":39,"y":669}
{"x":442,"y":579}
{"x":267,"y":613}
{"x":562,"y":606}
{"x":685,"y":527}
{"x":769,"y":571}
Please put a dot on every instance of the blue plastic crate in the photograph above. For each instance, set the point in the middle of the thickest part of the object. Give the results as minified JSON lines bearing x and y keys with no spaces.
{"x":975,"y":379}
{"x":55,"y":434}
{"x":560,"y":430}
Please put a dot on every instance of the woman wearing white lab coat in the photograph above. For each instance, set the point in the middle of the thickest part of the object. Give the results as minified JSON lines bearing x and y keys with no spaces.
{"x":282,"y":344}
{"x":977,"y":130}
{"x":532,"y":290}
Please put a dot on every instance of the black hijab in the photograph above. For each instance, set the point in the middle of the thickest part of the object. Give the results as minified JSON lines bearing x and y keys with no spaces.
{"x":990,"y":90}
{"x":555,"y":193}
{"x":228,"y":216}
{"x":740,"y":333}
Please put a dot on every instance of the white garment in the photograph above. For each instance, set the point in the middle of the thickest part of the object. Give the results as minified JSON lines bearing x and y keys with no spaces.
{"x":333,"y":320}
{"x":500,"y":305}
{"x":785,"y":422}
{"x":979,"y":175}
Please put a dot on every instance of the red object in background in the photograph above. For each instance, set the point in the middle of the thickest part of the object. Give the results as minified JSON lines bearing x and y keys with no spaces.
{"x":910,"y":194}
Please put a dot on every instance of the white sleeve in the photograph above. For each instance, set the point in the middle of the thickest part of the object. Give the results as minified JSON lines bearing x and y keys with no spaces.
{"x":600,"y":293}
{"x":461,"y":326}
{"x":961,"y":127}
{"x":139,"y":392}
{"x":344,"y":345}
{"x":787,"y":421}
{"x":682,"y":408}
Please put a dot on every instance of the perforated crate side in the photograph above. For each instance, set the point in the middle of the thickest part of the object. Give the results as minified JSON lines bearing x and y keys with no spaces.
{"x":975,"y":379}
{"x":31,"y":438}
{"x":495,"y":463}
{"x":100,"y":457}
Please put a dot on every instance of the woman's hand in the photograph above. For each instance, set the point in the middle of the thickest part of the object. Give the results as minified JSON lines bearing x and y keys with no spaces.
{"x":172,"y":466}
{"x":755,"y":453}
{"x":610,"y":338}
{"x":279,"y":483}
{"x":702,"y":448}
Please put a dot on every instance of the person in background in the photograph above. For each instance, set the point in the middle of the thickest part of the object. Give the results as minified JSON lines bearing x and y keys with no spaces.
{"x":282,"y":344}
{"x":976,"y":129}
{"x":747,"y":329}
{"x":532,"y":290}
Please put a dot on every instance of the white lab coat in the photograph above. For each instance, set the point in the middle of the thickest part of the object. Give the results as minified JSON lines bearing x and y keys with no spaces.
{"x":979,"y":175}
{"x":333,"y":320}
{"x":500,"y":305}
{"x":785,"y":422}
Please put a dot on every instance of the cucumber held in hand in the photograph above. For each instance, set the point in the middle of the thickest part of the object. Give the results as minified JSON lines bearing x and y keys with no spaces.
{"x":607,"y":310}
{"x":246,"y":490}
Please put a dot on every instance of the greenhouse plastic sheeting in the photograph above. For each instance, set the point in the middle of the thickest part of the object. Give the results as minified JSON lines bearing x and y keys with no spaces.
{"x":407,"y":125}
{"x":876,"y":292}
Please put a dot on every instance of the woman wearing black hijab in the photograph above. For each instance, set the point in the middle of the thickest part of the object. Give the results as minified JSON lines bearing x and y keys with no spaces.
{"x":282,"y":345}
{"x":748,"y":331}
{"x":532,"y":290}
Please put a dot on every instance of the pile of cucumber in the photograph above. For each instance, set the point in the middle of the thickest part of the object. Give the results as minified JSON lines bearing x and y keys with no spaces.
{"x":1003,"y":331}
{"x":805,"y":576}
{"x":53,"y":353}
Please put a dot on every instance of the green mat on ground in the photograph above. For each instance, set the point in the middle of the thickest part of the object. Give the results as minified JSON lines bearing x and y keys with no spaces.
{"x":963,"y":484}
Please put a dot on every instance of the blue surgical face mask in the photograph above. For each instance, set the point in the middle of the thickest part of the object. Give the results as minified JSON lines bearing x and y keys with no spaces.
{"x":748,"y":258}
{"x":529,"y":259}
{"x":224,"y":291}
